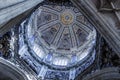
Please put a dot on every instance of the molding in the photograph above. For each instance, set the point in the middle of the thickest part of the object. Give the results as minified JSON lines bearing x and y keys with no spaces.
{"x":8,"y":3}
{"x":11,"y":70}
{"x":10,"y":11}
{"x":15,"y":21}
{"x":108,"y":31}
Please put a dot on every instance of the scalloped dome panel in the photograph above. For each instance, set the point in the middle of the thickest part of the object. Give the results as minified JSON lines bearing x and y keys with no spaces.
{"x":61,"y":31}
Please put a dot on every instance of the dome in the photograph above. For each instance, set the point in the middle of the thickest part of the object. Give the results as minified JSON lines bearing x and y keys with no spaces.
{"x":60,"y":35}
{"x":57,"y":40}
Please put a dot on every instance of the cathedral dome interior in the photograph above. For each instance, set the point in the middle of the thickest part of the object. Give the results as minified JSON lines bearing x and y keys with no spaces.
{"x":59,"y":40}
{"x":61,"y":34}
{"x":58,"y":37}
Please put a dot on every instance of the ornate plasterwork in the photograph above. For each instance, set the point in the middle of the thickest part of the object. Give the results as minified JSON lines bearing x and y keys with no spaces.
{"x":60,"y":32}
{"x":67,"y":18}
{"x":62,"y":29}
{"x":106,"y":18}
{"x":5,"y":49}
{"x":56,"y":40}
